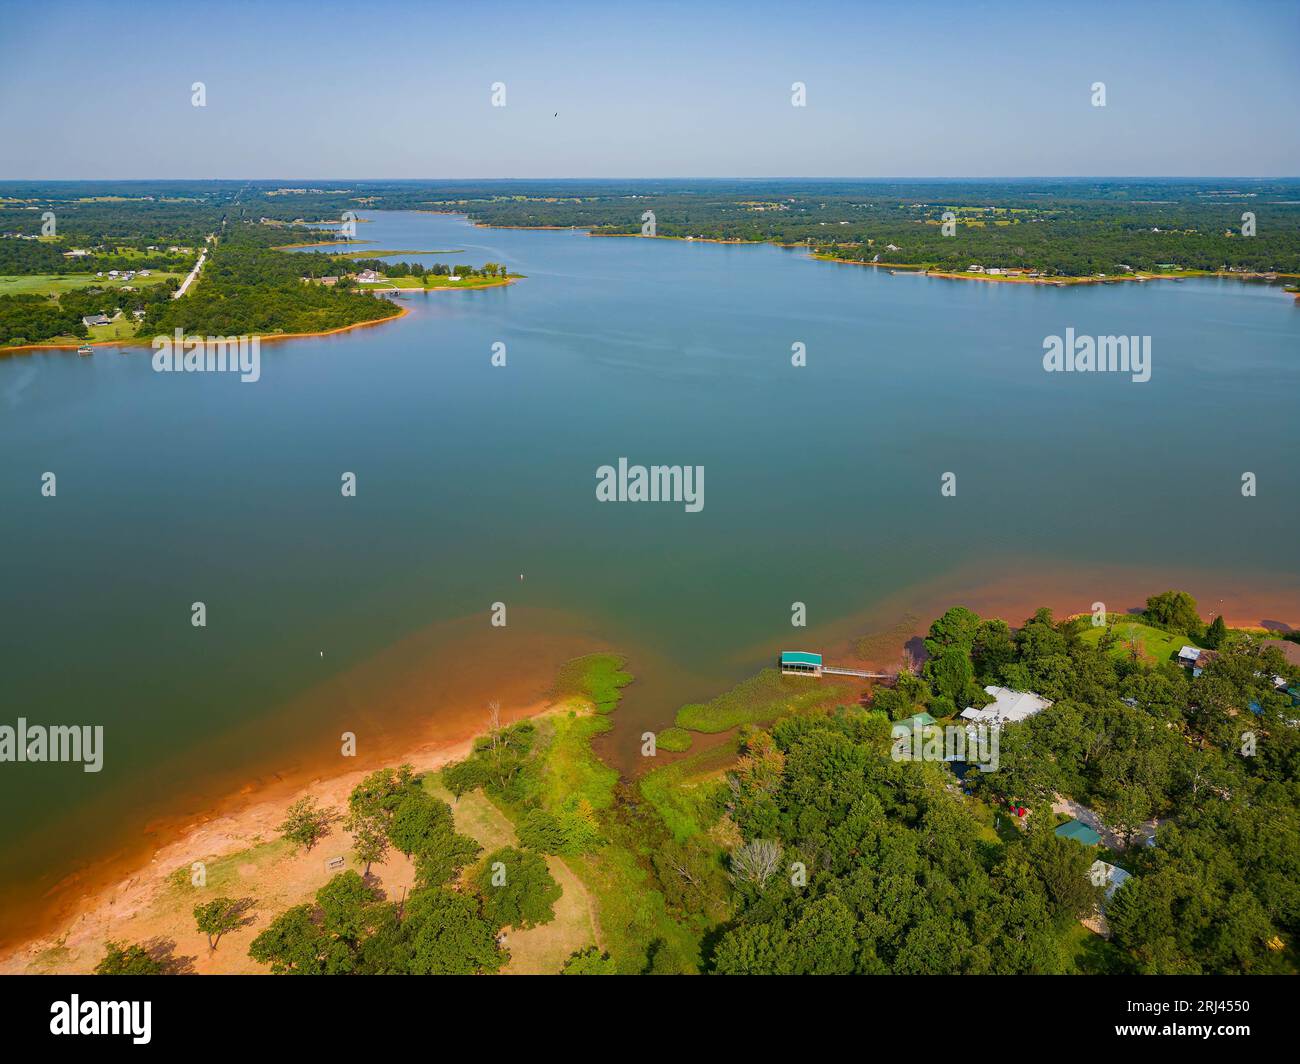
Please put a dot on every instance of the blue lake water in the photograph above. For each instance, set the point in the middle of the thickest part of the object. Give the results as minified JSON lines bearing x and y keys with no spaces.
{"x":822,"y":486}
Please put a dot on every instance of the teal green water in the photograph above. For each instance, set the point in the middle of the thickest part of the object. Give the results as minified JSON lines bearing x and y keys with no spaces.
{"x":821,"y":486}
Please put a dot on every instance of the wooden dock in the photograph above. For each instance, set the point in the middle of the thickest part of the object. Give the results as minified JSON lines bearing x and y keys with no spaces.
{"x":835,"y":670}
{"x":805,"y":663}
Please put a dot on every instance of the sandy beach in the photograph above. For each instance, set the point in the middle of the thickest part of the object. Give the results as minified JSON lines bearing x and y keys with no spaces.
{"x":238,"y":844}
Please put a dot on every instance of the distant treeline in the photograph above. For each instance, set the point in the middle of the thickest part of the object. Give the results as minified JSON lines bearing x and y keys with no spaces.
{"x":1069,"y":227}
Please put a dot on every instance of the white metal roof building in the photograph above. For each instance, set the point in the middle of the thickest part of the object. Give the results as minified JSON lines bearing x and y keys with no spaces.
{"x":1008,"y":706}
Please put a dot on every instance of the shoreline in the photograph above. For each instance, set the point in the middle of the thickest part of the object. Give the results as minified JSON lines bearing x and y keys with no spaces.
{"x":448,"y":287}
{"x":1059,"y":281}
{"x":136,"y":341}
{"x":118,"y":891}
{"x":240,"y":821}
{"x":921,"y":271}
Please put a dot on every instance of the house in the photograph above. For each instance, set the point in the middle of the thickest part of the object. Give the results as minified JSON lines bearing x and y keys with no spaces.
{"x":95,"y":319}
{"x":974,"y":269}
{"x":368,"y":277}
{"x":453,"y":277}
{"x":1290,"y":650}
{"x":915,"y":721}
{"x":993,"y":270}
{"x":1008,"y":706}
{"x":1079,"y":832}
{"x":1196,"y":658}
{"x":75,"y":253}
{"x":1109,"y":876}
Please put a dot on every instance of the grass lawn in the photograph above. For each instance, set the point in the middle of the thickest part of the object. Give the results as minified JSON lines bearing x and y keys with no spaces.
{"x":223,"y":873}
{"x":761,"y":698}
{"x":122,"y":328}
{"x":1091,"y":954}
{"x":1157,"y":645}
{"x":48,"y":284}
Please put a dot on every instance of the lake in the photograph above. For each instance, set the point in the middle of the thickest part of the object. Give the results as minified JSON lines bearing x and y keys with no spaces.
{"x":476,"y":485}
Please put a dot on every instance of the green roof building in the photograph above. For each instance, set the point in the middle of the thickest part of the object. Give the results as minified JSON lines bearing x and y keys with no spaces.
{"x":801,"y":663}
{"x":1079,"y":832}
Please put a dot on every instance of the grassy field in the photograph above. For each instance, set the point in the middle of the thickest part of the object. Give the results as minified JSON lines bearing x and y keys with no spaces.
{"x":674,"y":740}
{"x":49,"y":284}
{"x":598,"y":678}
{"x":685,"y":792}
{"x":1157,"y":644}
{"x":762,"y":698}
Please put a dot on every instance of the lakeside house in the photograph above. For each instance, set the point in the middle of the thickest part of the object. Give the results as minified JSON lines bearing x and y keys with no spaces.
{"x":1007,"y":707}
{"x":1110,"y":878}
{"x":95,"y":319}
{"x":368,"y":277}
{"x":1196,"y":659}
{"x":1290,"y":650}
{"x":974,"y":268}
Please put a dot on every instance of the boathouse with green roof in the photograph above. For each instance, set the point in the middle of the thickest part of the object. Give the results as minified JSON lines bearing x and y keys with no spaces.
{"x":800,"y":663}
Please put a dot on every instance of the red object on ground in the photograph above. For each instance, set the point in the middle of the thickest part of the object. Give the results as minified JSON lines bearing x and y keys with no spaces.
{"x":1020,"y":811}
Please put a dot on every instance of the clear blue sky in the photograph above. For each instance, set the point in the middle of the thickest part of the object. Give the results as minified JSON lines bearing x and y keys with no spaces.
{"x":402,"y":89}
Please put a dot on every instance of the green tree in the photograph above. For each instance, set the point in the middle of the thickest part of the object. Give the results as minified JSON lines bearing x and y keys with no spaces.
{"x":1216,"y":633}
{"x":293,"y":944}
{"x":369,"y":844}
{"x":446,"y":934}
{"x":517,"y":889}
{"x":218,"y":917}
{"x":120,"y":959}
{"x":1176,"y":611}
{"x":305,"y":824}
